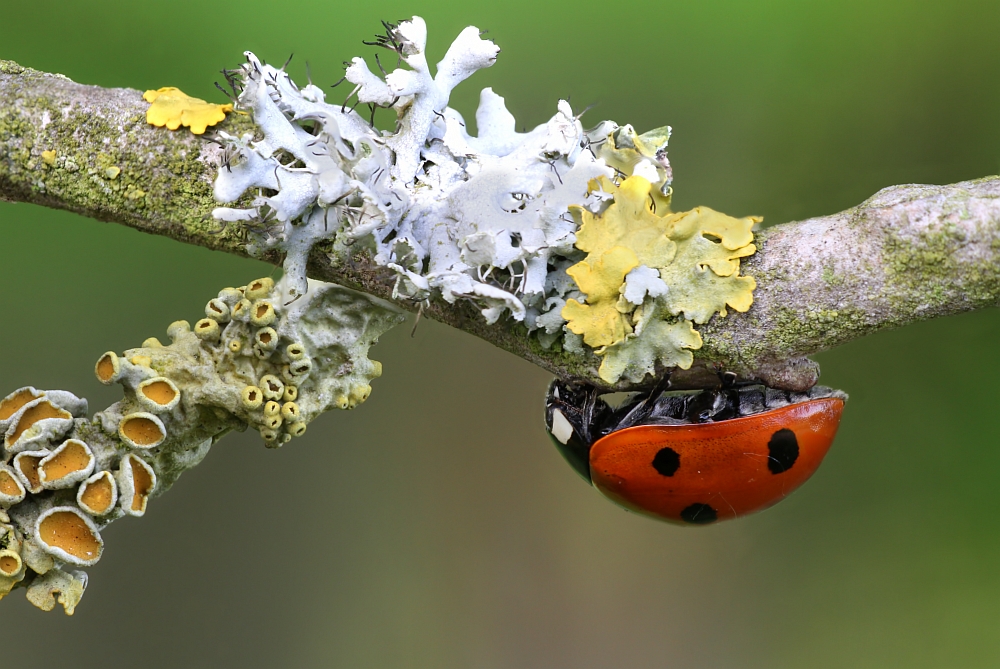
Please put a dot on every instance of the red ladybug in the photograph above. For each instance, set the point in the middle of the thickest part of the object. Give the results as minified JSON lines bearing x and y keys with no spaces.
{"x":699,"y":456}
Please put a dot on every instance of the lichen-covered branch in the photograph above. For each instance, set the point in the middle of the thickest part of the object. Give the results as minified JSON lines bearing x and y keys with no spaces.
{"x":255,"y":360}
{"x":907,"y":254}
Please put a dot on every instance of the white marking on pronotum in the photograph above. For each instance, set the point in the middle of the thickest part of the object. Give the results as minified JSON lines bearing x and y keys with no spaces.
{"x":561,"y":428}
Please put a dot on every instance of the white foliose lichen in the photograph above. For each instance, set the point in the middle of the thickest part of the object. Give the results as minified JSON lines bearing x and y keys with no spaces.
{"x":453,"y":215}
{"x":257,"y":360}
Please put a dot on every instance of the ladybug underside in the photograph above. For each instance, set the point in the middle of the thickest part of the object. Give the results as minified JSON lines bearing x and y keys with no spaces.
{"x":694,"y":456}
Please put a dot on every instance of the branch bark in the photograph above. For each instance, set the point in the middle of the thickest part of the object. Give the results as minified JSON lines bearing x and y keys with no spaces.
{"x":908,"y":253}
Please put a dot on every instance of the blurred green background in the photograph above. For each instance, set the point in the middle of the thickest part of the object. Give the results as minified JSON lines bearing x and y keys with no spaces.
{"x":435,"y":526}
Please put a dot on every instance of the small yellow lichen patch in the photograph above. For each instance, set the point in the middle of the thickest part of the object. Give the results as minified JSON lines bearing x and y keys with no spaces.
{"x":260,"y":288}
{"x":141,"y":360}
{"x":207,"y":329}
{"x":252,"y":397}
{"x":49,"y":157}
{"x":704,"y":278}
{"x":172,"y":108}
{"x":112,"y":172}
{"x":262,"y":313}
{"x":663,"y":342}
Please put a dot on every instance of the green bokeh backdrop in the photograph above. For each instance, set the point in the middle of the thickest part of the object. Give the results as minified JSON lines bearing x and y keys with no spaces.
{"x":435,"y":526}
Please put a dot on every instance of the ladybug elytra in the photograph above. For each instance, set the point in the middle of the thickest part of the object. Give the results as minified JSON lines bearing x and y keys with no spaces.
{"x":694,"y":457}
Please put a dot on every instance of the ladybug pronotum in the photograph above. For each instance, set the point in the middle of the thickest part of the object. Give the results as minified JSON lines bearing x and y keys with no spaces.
{"x":694,"y":457}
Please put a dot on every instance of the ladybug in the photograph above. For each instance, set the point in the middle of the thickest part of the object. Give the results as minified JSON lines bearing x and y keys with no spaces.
{"x":694,"y":457}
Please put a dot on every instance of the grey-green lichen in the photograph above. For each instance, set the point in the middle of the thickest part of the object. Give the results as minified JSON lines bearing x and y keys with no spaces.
{"x":256,"y":360}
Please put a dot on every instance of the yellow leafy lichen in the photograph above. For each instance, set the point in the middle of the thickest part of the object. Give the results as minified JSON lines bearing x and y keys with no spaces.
{"x":629,"y":222}
{"x":172,"y":108}
{"x":697,"y":255}
{"x":624,"y":150}
{"x":704,"y":277}
{"x":599,"y":321}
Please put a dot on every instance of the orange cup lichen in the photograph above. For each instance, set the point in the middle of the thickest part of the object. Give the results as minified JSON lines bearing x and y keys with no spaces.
{"x":67,"y":465}
{"x":159,"y":393}
{"x":138,"y":482}
{"x":11,"y":404}
{"x":108,"y":368}
{"x":142,"y":430}
{"x":26,"y":463}
{"x":98,"y":494}
{"x":34,"y":412}
{"x":69,"y":535}
{"x":11,"y":489}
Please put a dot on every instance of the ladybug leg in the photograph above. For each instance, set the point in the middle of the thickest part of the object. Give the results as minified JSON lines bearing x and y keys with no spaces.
{"x":588,"y":414}
{"x":641,"y":411}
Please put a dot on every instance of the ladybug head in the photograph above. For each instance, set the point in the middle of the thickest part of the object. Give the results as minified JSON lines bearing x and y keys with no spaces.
{"x":570,"y":413}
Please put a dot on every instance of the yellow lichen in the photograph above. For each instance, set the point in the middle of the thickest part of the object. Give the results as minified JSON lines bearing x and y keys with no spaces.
{"x":49,"y":157}
{"x":172,"y":108}
{"x":624,"y":150}
{"x":704,"y":278}
{"x":697,"y":256}
{"x":599,"y":321}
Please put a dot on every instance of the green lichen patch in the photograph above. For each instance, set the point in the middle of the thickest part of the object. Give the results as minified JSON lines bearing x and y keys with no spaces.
{"x":665,"y":342}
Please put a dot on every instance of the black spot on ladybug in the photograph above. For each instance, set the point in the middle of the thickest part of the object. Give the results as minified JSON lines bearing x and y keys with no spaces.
{"x":782,"y":450}
{"x":699,"y":514}
{"x":666,"y":461}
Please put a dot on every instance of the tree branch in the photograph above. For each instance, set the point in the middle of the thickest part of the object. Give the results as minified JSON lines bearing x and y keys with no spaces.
{"x":907,"y":254}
